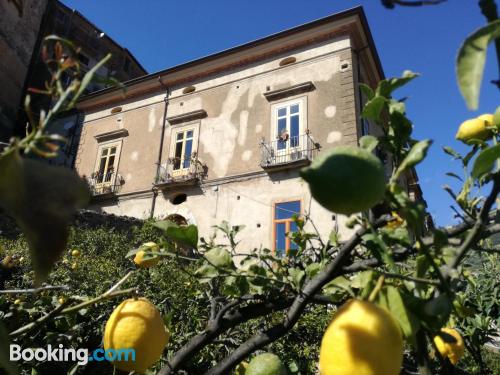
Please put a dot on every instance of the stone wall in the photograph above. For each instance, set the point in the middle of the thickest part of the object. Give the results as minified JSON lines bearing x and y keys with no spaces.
{"x":18,"y":37}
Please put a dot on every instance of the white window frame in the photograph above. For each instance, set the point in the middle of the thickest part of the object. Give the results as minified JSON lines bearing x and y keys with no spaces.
{"x":104,"y":145}
{"x":194,"y":126}
{"x":302,"y":102}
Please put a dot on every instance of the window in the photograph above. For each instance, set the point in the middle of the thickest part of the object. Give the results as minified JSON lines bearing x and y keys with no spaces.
{"x":106,"y":165}
{"x":288,"y":125}
{"x":283,"y":224}
{"x":183,"y":149}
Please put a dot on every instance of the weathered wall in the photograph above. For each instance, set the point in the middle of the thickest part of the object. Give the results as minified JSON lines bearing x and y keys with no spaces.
{"x":236,"y":188}
{"x":18,"y":36}
{"x":238,"y":116}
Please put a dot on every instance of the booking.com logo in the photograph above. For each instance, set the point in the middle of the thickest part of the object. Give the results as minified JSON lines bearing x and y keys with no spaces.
{"x":61,"y":354}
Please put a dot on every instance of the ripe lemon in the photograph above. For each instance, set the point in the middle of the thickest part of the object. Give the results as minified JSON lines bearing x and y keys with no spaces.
{"x":136,"y":324}
{"x":145,"y":263}
{"x":488,"y":118}
{"x":17,"y":302}
{"x":451,"y":350}
{"x":362,"y":339}
{"x":474,"y":129}
{"x":396,"y":222}
{"x":76,"y":253}
{"x":266,"y":364}
{"x":241,"y":368}
{"x":346,"y":179}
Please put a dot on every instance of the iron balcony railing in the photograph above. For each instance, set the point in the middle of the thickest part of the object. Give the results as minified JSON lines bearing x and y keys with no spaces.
{"x":286,"y":150}
{"x":178,"y":171}
{"x":104,"y":183}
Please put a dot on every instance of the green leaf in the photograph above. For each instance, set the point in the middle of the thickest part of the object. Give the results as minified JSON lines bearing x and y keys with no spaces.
{"x":387,"y":86}
{"x":398,"y":309}
{"x":397,"y":106}
{"x":43,"y":199}
{"x":296,"y":277}
{"x":235,"y":286}
{"x":367,"y":90}
{"x":206,"y":273}
{"x":362,"y":279}
{"x":451,"y":152}
{"x":186,"y":235}
{"x":312,"y":269}
{"x":417,"y":153}
{"x":88,"y":78}
{"x":373,"y":108}
{"x":470,"y":62}
{"x":368,"y":142}
{"x":219,"y":257}
{"x":485,"y":161}
{"x":454,"y":175}
{"x":5,"y":363}
{"x":496,"y":118}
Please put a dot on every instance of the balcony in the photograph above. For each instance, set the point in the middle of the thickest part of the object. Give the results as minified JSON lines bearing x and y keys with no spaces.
{"x":287,"y":152}
{"x":104,"y":185}
{"x":180,"y":172}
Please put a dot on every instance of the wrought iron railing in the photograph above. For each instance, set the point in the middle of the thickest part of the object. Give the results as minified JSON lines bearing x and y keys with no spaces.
{"x":104,"y":183}
{"x":287,"y":150}
{"x":178,"y":170}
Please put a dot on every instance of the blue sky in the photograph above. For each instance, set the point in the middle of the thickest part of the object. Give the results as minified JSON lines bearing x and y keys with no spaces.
{"x":426,"y":39}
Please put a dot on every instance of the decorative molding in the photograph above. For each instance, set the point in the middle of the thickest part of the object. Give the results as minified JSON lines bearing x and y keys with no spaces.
{"x":194,"y":115}
{"x":289,"y":91}
{"x":115,"y":134}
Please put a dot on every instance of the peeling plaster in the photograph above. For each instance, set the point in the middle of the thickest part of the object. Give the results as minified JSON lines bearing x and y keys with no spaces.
{"x":334,"y":137}
{"x":152,"y":119}
{"x":246,"y":155}
{"x":134,"y":156}
{"x":242,"y":135}
{"x":330,"y":111}
{"x":225,"y":131}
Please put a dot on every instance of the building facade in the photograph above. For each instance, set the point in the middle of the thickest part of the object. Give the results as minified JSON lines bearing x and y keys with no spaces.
{"x":224,"y":137}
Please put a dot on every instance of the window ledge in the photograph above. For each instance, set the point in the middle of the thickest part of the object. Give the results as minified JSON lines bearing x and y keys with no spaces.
{"x":121,"y":133}
{"x":194,"y":115}
{"x":289,"y":91}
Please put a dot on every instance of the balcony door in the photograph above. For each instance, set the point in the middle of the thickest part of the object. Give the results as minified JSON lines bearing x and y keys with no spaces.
{"x":288,"y":128}
{"x":183,"y":150}
{"x":107,"y":163}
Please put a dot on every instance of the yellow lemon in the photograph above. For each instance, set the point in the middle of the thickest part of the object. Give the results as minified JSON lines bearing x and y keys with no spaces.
{"x":136,"y":324}
{"x":76,"y":253}
{"x":451,"y":350}
{"x":241,"y":368}
{"x":266,"y":364}
{"x":346,"y":180}
{"x":17,"y":302}
{"x":473,"y":129}
{"x":488,"y":118}
{"x":396,"y":222}
{"x":141,"y":260}
{"x":362,"y":339}
{"x":62,"y":300}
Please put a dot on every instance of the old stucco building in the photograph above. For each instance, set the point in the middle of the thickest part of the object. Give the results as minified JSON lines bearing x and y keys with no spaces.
{"x":224,"y":137}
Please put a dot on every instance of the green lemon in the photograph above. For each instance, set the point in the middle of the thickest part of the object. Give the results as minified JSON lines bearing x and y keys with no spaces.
{"x":346,"y":179}
{"x":266,"y":364}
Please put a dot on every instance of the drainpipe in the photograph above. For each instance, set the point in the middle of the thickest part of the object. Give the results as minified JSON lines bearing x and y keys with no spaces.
{"x":160,"y":152}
